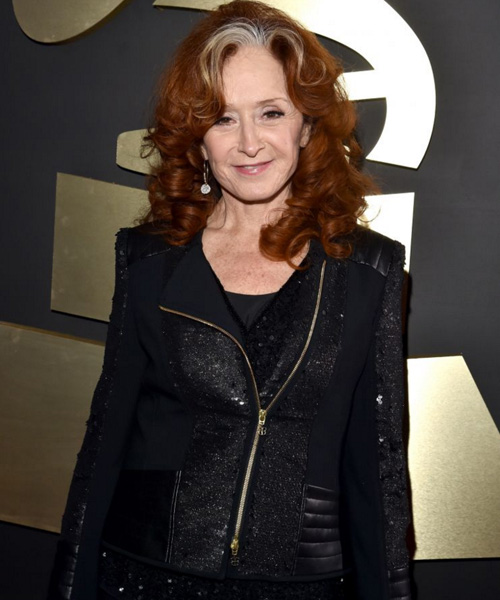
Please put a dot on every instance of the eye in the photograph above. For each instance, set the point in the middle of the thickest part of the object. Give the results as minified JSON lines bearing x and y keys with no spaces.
{"x":225,"y":120}
{"x":273,"y":114}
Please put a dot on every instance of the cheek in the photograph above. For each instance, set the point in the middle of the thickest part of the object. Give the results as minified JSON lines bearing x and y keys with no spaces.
{"x":210,"y":146}
{"x":289,"y":142}
{"x":215,"y":150}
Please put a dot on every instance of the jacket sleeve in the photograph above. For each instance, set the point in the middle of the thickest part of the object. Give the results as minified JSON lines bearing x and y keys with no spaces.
{"x":374,"y":471}
{"x":74,"y":575}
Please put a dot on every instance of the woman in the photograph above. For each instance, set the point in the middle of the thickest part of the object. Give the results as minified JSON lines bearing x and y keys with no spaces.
{"x":245,"y":436}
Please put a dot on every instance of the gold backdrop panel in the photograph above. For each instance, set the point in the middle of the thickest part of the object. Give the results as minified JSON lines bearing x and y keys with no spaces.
{"x":52,"y":21}
{"x":454,"y":458}
{"x":88,"y":214}
{"x":47,"y":384}
{"x":128,"y":152}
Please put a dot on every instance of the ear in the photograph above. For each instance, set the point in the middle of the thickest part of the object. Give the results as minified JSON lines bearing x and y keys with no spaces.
{"x":305,"y":134}
{"x":203,"y":151}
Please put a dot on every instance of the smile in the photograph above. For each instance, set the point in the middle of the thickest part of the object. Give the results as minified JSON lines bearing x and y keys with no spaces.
{"x":255,"y":169}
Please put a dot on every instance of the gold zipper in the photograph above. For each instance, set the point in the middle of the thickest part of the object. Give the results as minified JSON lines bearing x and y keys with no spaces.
{"x":235,"y":542}
{"x":261,"y":428}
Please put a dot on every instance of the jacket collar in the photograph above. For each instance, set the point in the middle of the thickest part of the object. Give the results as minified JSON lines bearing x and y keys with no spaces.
{"x":193,"y":289}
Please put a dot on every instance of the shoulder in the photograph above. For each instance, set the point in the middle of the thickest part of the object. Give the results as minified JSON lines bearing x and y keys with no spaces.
{"x":375,"y":250}
{"x":137,"y":243}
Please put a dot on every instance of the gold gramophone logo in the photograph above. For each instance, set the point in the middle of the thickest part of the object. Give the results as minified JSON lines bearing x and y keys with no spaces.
{"x":454,"y":448}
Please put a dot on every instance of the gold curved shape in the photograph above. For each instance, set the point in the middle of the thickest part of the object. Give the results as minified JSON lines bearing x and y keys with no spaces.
{"x":53,"y":21}
{"x":373,"y":29}
{"x":203,"y":4}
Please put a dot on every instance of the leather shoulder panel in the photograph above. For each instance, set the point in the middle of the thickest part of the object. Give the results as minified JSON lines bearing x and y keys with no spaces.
{"x":373,"y":249}
{"x":144,"y":242}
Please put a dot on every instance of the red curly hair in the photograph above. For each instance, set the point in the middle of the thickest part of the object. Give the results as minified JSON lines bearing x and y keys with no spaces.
{"x":327,"y":189}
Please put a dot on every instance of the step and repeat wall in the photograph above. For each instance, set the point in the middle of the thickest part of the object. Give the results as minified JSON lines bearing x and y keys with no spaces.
{"x":78,"y":82}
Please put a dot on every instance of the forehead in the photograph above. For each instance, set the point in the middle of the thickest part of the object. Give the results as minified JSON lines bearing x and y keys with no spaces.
{"x":251,"y":74}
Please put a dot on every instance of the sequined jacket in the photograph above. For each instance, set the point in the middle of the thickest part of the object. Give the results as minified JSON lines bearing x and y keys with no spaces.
{"x":269,"y":453}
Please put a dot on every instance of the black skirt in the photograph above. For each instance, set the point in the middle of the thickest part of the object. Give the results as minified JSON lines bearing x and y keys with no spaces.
{"x":127,"y":579}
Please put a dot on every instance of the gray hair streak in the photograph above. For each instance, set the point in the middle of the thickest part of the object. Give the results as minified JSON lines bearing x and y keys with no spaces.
{"x":244,"y":33}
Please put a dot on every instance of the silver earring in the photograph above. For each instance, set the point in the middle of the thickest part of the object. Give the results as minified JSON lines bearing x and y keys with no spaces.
{"x":205,"y":188}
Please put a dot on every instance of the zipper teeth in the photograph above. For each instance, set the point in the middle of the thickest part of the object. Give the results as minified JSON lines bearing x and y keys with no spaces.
{"x":246,"y":482}
{"x":255,"y":443}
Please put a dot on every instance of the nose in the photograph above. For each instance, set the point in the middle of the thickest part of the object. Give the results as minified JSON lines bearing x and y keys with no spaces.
{"x":249,"y":141}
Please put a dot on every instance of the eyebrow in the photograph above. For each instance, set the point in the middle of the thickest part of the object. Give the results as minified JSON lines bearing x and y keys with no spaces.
{"x":267,"y":101}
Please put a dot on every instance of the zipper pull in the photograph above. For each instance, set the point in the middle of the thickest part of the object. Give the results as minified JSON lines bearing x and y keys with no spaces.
{"x":262,"y":421}
{"x":235,"y":546}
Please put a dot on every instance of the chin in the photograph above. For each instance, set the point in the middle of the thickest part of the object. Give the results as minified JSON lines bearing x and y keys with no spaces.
{"x":254,"y":195}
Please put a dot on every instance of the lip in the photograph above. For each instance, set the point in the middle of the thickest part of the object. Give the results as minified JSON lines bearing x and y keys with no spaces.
{"x":253,"y":169}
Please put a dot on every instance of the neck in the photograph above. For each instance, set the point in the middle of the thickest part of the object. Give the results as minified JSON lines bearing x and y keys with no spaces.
{"x":244,"y":219}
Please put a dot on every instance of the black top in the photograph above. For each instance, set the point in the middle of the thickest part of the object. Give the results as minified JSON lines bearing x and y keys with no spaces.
{"x":249,"y":306}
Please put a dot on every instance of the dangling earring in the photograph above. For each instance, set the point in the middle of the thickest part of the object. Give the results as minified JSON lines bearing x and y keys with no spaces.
{"x":205,"y":188}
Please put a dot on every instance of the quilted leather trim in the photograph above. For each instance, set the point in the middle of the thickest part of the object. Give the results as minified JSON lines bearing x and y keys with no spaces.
{"x":319,"y":549}
{"x":63,"y":574}
{"x":399,"y":584}
{"x":372,"y":249}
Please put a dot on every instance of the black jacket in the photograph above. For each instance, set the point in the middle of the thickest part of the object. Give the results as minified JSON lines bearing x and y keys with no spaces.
{"x":273,"y":453}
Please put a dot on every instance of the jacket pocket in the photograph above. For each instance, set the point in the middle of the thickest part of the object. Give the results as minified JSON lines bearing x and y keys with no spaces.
{"x":319,"y":549}
{"x":141,"y":517}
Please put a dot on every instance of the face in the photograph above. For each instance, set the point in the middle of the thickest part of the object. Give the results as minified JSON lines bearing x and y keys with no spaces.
{"x":254,"y":147}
